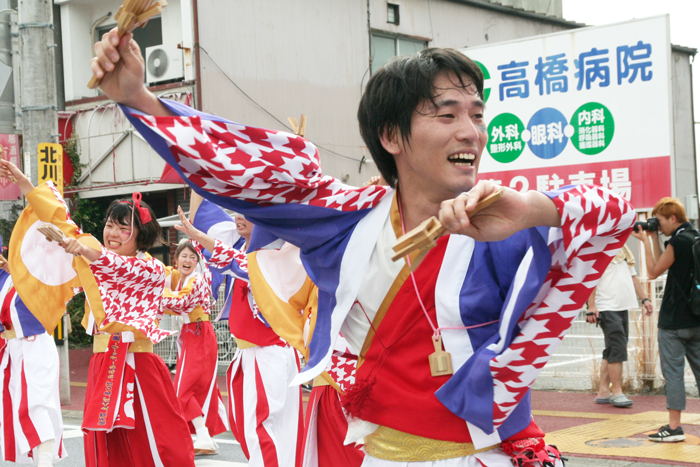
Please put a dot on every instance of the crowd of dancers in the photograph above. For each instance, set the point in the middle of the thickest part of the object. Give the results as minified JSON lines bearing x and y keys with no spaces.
{"x":135,"y":414}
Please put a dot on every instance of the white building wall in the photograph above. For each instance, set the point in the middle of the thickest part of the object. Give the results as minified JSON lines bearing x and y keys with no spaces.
{"x":312,"y":57}
{"x":76,"y":46}
{"x":545,"y":7}
{"x":683,"y":128}
{"x":98,"y":124}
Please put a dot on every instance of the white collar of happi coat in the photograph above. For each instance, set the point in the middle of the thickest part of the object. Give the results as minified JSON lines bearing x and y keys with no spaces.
{"x":184,"y":280}
{"x":352,"y":270}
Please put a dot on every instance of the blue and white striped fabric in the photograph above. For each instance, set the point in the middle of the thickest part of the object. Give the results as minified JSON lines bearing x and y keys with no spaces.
{"x":216,"y":223}
{"x":486,"y":282}
{"x":24,"y":323}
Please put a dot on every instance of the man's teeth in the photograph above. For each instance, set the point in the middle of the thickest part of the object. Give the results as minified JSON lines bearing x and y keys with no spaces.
{"x":462,"y":158}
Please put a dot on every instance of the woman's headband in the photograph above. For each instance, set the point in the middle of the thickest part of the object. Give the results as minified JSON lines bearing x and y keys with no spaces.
{"x":144,"y":214}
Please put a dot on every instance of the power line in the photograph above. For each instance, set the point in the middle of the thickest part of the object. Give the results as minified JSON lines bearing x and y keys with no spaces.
{"x":264,"y":109}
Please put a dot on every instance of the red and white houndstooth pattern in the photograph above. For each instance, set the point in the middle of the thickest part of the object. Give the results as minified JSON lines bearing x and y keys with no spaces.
{"x":269,"y":167}
{"x":342,"y":369}
{"x":343,"y":364}
{"x":131,"y":290}
{"x":223,"y":255}
{"x":592,"y":232}
{"x":184,"y":299}
{"x":205,"y":271}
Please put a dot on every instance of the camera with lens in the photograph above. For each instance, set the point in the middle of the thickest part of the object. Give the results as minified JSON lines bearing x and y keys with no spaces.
{"x":652,"y":224}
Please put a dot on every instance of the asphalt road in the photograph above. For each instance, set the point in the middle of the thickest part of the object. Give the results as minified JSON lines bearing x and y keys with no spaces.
{"x":230,"y":453}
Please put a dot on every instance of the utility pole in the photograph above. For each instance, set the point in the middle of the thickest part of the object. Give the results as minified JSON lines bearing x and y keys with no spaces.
{"x":39,"y":108}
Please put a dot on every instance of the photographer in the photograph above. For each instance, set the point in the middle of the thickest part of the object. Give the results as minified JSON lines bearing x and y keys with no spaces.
{"x":679,"y":328}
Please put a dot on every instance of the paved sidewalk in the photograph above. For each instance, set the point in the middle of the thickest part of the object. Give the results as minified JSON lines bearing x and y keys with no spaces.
{"x":580,"y":427}
{"x":589,"y":434}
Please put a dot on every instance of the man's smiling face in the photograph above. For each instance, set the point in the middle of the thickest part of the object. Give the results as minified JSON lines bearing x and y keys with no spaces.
{"x":441,"y":156}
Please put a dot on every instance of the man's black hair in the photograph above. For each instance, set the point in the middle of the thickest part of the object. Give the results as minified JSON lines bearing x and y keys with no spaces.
{"x":396,"y":90}
{"x":120,"y":210}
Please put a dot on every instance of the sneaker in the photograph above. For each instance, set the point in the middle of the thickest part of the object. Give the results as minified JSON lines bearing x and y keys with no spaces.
{"x":667,"y":435}
{"x":621,"y":401}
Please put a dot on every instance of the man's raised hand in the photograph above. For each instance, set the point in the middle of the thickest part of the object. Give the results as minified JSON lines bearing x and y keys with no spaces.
{"x":513,"y":212}
{"x":120,"y":66}
{"x":118,"y":62}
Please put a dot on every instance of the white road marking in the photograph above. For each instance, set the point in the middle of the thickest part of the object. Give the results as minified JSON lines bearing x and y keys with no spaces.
{"x":569,"y":362}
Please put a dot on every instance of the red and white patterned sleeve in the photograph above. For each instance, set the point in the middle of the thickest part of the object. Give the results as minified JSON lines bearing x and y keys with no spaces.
{"x":132,"y":290}
{"x":245,"y":163}
{"x":595,"y":225}
{"x":195,"y":292}
{"x":205,"y":271}
{"x":223,"y":255}
{"x":118,"y":271}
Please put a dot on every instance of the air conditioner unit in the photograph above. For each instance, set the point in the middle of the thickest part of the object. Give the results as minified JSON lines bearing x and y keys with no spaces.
{"x":163,"y":63}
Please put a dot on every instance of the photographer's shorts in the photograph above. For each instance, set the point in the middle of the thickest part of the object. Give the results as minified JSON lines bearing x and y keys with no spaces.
{"x":615,"y":325}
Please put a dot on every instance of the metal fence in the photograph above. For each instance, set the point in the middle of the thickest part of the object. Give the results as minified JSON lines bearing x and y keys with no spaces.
{"x":576,"y":363}
{"x":167,"y":348}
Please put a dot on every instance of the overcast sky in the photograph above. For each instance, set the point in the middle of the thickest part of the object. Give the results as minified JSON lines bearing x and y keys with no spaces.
{"x":685,"y":25}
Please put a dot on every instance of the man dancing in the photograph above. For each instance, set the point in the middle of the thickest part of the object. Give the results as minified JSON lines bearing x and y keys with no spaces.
{"x":499,"y":291}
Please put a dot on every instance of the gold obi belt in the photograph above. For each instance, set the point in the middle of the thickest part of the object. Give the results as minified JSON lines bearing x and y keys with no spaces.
{"x":241,"y":344}
{"x":394,"y":445}
{"x":8,"y":334}
{"x":101,"y":342}
{"x":193,"y":316}
{"x":320,"y":381}
{"x":198,"y":314}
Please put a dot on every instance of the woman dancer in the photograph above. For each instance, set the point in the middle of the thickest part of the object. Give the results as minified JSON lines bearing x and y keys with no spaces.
{"x":187,"y":294}
{"x":264,"y":410}
{"x":132,"y":415}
